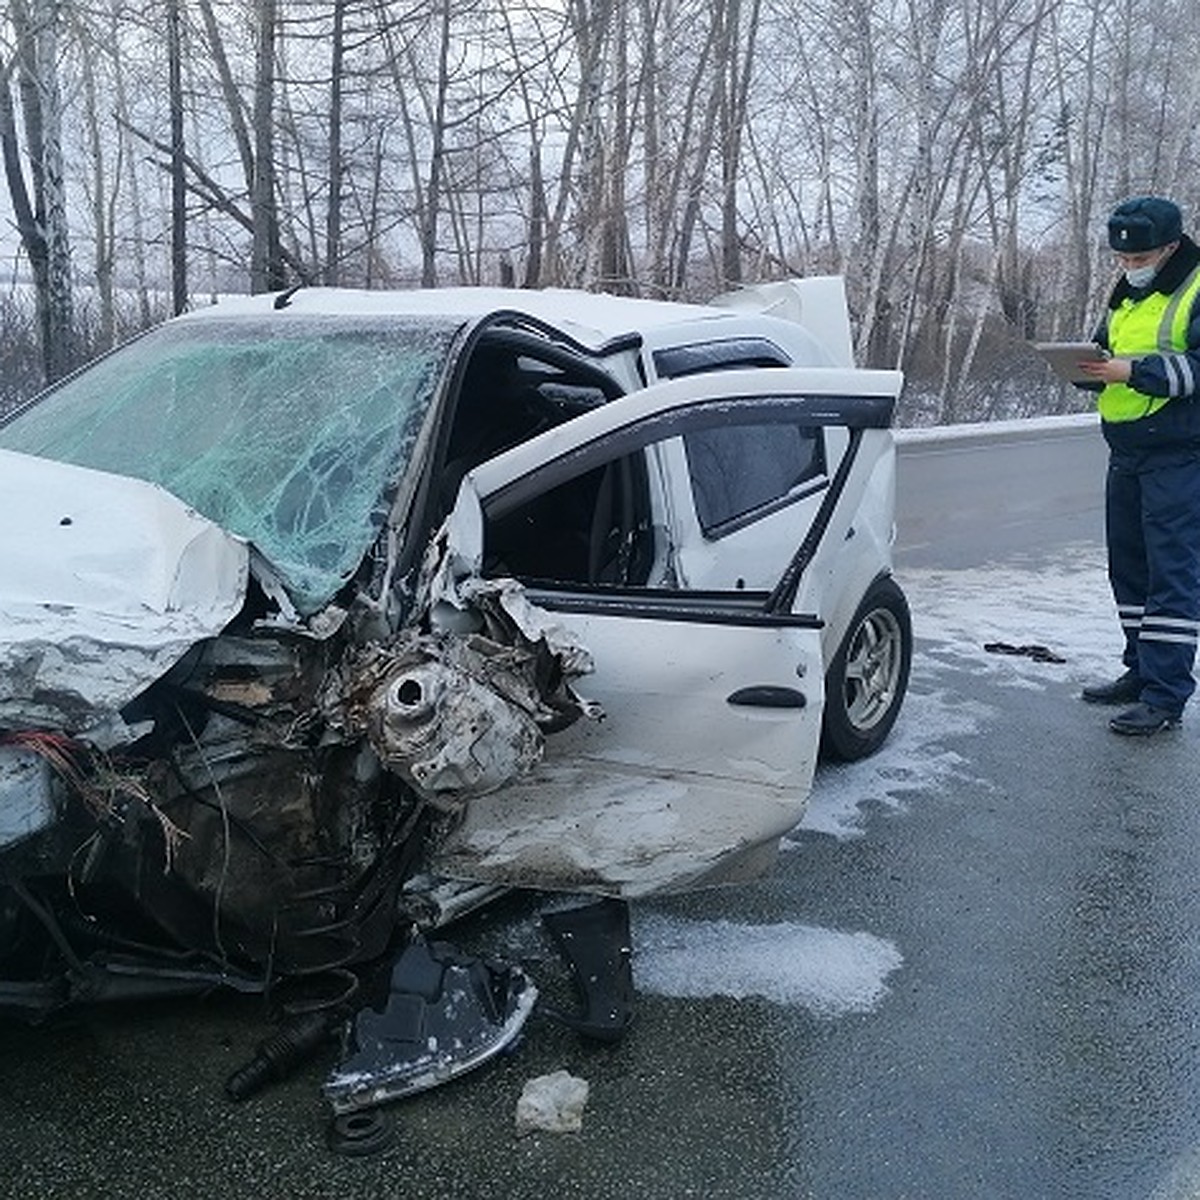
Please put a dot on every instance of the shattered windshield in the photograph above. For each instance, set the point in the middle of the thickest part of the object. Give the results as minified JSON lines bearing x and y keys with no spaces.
{"x":289,"y":433}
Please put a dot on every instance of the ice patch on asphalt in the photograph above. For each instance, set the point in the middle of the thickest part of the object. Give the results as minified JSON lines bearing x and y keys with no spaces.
{"x":827,"y":971}
{"x":1065,"y":606}
{"x":912,"y":758}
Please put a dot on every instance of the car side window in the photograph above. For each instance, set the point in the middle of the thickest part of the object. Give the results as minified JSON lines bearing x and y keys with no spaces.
{"x":738,"y":469}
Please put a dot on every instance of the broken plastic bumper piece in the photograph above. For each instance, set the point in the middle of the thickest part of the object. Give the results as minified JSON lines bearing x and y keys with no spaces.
{"x":445,"y":1013}
{"x":596,"y":943}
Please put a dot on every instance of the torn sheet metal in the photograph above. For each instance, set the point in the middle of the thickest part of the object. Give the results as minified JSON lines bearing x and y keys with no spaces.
{"x":460,"y":714}
{"x":445,"y":1014}
{"x":451,"y":581}
{"x":107,"y":582}
{"x":505,"y":610}
{"x":453,"y":716}
{"x":430,"y":902}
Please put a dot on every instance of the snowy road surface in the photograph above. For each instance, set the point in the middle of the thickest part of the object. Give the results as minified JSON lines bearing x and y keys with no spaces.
{"x":975,"y":974}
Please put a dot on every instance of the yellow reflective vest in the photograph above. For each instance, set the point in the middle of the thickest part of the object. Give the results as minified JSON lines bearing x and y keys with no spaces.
{"x":1155,"y":324}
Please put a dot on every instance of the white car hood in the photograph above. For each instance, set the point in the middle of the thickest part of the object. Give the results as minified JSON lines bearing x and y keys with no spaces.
{"x":105,"y":583}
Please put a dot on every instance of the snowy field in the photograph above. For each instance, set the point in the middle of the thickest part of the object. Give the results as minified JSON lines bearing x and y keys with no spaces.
{"x":1068,"y":609}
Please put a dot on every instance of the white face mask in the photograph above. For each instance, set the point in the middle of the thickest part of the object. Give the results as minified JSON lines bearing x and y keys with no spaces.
{"x":1139,"y":277}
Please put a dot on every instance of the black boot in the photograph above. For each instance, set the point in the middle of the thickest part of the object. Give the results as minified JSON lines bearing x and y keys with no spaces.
{"x":1125,"y":690}
{"x":1143,"y":719}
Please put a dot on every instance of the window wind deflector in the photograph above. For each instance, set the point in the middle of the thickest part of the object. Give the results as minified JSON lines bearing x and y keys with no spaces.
{"x":675,"y":362}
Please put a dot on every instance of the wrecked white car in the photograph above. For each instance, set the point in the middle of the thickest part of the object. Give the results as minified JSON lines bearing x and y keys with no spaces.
{"x":311,"y":600}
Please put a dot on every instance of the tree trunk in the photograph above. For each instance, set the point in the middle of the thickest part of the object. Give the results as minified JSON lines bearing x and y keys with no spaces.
{"x":179,"y":280}
{"x":136,"y":246}
{"x":433,"y":191}
{"x":266,"y":257}
{"x":333,"y":213}
{"x":739,"y":71}
{"x":43,"y":223}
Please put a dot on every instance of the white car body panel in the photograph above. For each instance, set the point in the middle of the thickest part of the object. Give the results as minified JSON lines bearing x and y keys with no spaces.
{"x":676,"y":783}
{"x":592,"y":318}
{"x":675,"y":786}
{"x":844,"y":562}
{"x":859,"y":539}
{"x":107,"y":582}
{"x":818,"y":303}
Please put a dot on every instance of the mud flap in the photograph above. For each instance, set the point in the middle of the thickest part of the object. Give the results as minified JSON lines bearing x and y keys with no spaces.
{"x":445,"y":1013}
{"x":595,"y":941}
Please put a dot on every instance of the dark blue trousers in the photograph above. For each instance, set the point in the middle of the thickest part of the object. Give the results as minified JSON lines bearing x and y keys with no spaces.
{"x":1153,"y":523}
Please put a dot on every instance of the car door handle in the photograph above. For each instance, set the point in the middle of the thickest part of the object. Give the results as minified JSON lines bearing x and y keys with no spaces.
{"x":767,"y":696}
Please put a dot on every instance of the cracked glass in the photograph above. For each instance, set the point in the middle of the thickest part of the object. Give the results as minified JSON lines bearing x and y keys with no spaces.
{"x":289,"y":431}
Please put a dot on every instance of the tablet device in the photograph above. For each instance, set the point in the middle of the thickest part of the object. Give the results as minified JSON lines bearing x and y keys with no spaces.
{"x":1065,"y":358}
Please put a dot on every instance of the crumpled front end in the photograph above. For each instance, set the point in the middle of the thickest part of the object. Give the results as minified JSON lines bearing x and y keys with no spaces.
{"x":196,"y":792}
{"x":459,"y":714}
{"x":228,"y":845}
{"x":170,"y":813}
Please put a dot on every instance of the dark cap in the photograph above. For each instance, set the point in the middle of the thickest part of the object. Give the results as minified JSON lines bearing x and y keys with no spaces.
{"x":1144,"y":223}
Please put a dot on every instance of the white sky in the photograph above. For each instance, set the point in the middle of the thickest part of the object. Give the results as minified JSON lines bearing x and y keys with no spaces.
{"x":1067,"y":608}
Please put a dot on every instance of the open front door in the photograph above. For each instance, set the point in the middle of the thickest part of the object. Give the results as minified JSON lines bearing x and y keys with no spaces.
{"x":712,"y":700}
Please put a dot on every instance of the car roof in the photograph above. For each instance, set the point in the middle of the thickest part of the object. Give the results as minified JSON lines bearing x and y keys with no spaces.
{"x":591,"y":318}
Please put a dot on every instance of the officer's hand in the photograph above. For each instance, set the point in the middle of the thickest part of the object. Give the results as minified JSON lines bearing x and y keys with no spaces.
{"x":1108,"y":370}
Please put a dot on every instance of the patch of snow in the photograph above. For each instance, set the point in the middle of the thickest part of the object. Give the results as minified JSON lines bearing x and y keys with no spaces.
{"x":1065,"y":606}
{"x":828,"y":971}
{"x":914,"y":758}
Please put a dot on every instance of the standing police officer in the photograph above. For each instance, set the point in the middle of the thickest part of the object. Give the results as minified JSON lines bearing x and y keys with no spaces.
{"x":1150,"y":415}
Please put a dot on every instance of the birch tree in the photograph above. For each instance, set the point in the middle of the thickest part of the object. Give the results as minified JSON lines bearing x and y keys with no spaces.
{"x":41,"y":209}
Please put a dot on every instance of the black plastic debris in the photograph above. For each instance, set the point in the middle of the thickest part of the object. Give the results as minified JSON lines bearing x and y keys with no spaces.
{"x":1036,"y":652}
{"x":445,"y":1013}
{"x":358,"y":1134}
{"x":595,"y":941}
{"x":280,"y":1054}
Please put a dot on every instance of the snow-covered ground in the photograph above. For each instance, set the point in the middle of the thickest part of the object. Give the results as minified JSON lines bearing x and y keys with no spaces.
{"x":828,"y":971}
{"x":1066,"y":608}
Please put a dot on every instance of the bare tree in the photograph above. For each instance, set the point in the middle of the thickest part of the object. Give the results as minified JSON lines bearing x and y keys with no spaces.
{"x":179,"y":276}
{"x":739,"y":45}
{"x":266,"y":258}
{"x":41,"y":211}
{"x":101,"y":205}
{"x":333,"y":208}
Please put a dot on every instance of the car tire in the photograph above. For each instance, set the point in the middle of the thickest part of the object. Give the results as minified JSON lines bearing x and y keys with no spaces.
{"x":867,"y":679}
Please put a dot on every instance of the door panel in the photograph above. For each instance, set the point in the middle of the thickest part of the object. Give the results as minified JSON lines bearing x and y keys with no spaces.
{"x":712,"y":701}
{"x":674,"y":787}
